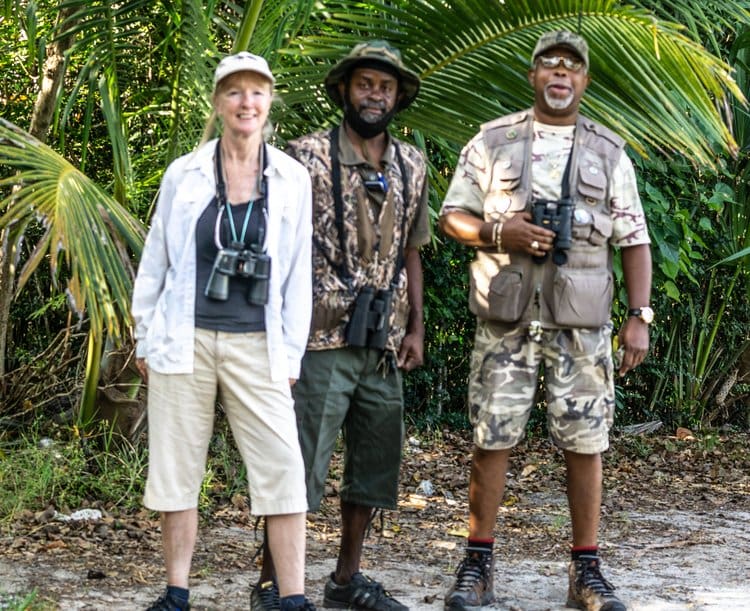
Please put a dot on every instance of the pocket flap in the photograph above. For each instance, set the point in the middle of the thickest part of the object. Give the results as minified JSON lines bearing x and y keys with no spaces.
{"x":592,"y":182}
{"x":602,"y":230}
{"x":506,"y":174}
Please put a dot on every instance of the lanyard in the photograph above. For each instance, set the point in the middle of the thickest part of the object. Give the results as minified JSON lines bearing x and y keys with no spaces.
{"x":221,"y":200}
{"x":342,"y":268}
{"x":230,"y":216}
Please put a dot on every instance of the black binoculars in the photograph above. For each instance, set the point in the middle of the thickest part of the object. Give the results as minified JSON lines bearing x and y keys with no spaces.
{"x":368,"y":326}
{"x":242,"y":263}
{"x":557,"y":216}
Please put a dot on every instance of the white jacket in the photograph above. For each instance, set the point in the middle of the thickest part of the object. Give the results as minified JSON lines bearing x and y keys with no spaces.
{"x":164,"y":293}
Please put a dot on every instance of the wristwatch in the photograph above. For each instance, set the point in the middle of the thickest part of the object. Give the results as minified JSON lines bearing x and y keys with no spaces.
{"x":646,"y":314}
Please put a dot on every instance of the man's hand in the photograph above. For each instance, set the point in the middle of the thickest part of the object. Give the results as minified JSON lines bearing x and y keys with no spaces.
{"x":142,"y":367}
{"x":521,"y":235}
{"x":411,"y":353}
{"x":634,"y":339}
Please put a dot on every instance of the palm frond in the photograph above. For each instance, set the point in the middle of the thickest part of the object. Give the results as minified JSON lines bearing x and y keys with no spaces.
{"x":87,"y":236}
{"x":652,"y":83}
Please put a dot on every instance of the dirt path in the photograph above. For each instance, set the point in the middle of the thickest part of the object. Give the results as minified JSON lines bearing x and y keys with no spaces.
{"x":675,"y":536}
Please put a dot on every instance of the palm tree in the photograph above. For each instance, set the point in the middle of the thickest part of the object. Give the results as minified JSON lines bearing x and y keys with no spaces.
{"x":139,"y":72}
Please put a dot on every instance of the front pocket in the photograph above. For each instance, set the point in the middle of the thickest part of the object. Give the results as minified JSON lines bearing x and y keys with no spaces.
{"x":582,"y":297}
{"x":506,"y":299}
{"x":506,"y":174}
{"x":592,"y":182}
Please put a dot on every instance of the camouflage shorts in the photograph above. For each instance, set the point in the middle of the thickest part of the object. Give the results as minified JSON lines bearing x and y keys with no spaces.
{"x":579,"y":378}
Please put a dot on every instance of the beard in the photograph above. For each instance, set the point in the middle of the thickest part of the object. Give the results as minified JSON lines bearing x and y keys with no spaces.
{"x":558,"y":103}
{"x":359,"y":121}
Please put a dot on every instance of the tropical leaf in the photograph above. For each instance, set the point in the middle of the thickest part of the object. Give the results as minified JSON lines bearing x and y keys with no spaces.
{"x":652,"y":83}
{"x":88,"y":237}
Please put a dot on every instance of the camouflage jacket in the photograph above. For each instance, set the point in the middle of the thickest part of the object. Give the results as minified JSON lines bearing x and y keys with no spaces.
{"x":372,"y":234}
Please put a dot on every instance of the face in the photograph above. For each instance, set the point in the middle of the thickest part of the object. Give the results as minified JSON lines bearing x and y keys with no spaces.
{"x":558,"y":88}
{"x":242,"y":101}
{"x":372,"y":93}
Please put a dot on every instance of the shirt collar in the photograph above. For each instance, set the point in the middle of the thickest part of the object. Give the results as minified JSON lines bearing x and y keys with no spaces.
{"x":348,"y":155}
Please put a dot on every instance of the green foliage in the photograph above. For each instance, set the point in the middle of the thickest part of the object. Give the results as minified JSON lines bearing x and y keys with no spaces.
{"x":21,"y":602}
{"x":56,"y":466}
{"x":226,"y":476}
{"x":68,"y":471}
{"x":136,"y":94}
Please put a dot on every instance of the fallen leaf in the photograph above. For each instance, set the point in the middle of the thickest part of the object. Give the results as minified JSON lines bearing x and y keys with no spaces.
{"x":684,"y":434}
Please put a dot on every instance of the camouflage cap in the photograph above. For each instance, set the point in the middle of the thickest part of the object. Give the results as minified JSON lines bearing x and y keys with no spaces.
{"x":562,"y":38}
{"x":378,"y":51}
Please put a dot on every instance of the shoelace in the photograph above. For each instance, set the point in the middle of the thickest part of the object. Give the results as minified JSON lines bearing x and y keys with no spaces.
{"x":165,"y":602}
{"x":472,"y":569}
{"x":367,"y":594}
{"x":268,"y":592}
{"x":591,"y":577}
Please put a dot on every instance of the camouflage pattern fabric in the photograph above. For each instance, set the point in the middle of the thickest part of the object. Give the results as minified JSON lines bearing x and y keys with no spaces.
{"x":333,"y":297}
{"x":579,"y":380}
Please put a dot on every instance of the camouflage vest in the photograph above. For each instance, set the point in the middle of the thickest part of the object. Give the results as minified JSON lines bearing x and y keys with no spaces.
{"x":511,"y":287}
{"x":333,"y":295}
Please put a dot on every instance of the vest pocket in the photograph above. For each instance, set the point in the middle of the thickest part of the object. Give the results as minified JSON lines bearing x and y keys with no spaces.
{"x":506,"y":298}
{"x":582,"y":297}
{"x":329,"y":312}
{"x":506,"y":174}
{"x":592,"y":182}
{"x":591,"y":226}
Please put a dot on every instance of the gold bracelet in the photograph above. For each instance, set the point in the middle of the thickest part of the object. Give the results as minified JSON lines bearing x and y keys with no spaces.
{"x":497,"y":236}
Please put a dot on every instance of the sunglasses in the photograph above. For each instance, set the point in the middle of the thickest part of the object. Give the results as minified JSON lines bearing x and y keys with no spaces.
{"x":375,"y":182}
{"x":553,"y":61}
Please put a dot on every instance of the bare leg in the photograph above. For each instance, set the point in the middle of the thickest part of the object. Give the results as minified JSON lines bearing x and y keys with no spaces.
{"x":286,"y":541}
{"x":354,"y":521}
{"x":584,"y":496}
{"x":486,"y":488}
{"x":179,"y":530}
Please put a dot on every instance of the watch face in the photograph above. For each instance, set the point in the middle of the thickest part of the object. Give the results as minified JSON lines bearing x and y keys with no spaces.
{"x":647,"y":315}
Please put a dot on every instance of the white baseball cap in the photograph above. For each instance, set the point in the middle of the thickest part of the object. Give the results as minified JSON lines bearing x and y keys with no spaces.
{"x":240,"y":62}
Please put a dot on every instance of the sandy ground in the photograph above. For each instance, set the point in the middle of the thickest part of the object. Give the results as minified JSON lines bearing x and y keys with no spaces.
{"x":675,"y":536}
{"x":670,"y":561}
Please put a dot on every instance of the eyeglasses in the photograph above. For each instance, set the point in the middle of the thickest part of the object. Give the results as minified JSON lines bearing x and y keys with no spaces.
{"x":553,"y":61}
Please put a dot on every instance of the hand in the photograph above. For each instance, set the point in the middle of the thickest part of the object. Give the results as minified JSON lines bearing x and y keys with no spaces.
{"x":142,"y":366}
{"x":411,"y":353}
{"x":521,"y":235}
{"x":292,"y":382}
{"x":634,"y":339}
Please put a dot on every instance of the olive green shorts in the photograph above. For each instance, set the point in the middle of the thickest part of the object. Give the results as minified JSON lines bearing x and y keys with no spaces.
{"x":343,"y":390}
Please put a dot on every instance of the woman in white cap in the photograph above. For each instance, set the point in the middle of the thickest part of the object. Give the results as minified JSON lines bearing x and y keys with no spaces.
{"x":221,"y":305}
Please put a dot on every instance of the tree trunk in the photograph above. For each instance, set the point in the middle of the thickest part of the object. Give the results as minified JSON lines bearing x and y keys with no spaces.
{"x":44,"y":109}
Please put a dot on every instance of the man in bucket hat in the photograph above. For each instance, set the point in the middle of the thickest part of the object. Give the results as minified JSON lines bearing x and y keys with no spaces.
{"x":370,"y":217}
{"x":546,"y":196}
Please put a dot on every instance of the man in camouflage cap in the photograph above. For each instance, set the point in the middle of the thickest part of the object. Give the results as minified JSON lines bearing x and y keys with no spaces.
{"x":370,"y":218}
{"x":545,"y":195}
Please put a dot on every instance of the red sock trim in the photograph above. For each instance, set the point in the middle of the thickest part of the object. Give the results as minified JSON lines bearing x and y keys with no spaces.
{"x":479,"y":540}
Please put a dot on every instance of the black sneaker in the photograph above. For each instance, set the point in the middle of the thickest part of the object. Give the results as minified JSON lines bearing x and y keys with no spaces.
{"x":474,"y":583}
{"x":360,"y":593}
{"x":305,"y":606}
{"x":587,"y":588}
{"x":166,"y":603}
{"x":265,"y":596}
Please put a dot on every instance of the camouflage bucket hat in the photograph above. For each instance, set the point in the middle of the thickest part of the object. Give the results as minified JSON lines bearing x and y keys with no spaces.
{"x":374,"y":51}
{"x":562,"y":38}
